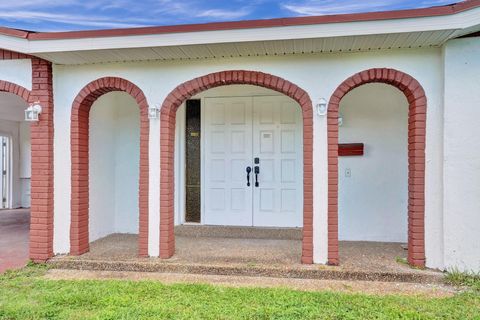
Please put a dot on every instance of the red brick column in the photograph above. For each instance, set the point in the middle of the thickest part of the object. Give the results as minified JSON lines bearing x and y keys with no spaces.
{"x":417,"y":111}
{"x":167,"y":145}
{"x":79,"y":237}
{"x":41,"y":216}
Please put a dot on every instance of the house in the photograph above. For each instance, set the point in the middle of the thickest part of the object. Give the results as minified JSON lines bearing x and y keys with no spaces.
{"x":358,"y":127}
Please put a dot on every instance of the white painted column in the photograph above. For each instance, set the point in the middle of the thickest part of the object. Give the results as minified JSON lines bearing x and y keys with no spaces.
{"x":154,"y":189}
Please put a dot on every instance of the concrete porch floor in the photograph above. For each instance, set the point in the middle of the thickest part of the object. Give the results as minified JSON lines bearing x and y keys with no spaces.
{"x":250,"y":257}
{"x":14,"y":237}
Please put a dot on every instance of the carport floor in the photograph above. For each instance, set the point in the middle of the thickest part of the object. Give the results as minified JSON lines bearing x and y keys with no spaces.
{"x":250,"y":257}
{"x":14,"y":236}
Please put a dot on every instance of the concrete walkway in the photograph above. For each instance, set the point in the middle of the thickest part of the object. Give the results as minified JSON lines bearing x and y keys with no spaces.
{"x":14,"y":237}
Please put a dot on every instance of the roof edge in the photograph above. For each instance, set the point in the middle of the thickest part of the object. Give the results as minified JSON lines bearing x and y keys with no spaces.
{"x":247,"y":24}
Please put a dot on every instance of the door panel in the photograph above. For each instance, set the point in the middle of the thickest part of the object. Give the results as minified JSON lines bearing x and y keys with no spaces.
{"x":238,"y":130}
{"x":228,"y":151}
{"x":278,"y":143}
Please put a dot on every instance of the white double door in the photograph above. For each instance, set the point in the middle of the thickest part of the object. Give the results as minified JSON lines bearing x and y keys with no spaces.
{"x":263,"y":134}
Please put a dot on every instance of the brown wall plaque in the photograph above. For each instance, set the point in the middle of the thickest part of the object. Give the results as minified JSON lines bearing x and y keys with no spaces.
{"x":350,"y":149}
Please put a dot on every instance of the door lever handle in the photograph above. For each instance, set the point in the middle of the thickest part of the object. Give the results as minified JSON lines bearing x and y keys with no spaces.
{"x":257,"y":171}
{"x":249,"y":169}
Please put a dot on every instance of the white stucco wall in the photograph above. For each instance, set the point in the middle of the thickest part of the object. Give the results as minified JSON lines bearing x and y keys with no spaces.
{"x":462,"y":154}
{"x":318,"y":74}
{"x":25,"y":163}
{"x":127,"y":161}
{"x":114,"y":165}
{"x":102,"y":168}
{"x":373,"y":201}
{"x":18,"y":71}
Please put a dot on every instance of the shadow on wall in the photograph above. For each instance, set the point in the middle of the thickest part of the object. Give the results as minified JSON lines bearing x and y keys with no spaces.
{"x":114,"y":165}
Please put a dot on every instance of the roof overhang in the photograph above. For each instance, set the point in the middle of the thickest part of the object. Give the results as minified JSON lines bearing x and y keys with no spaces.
{"x":337,"y":33}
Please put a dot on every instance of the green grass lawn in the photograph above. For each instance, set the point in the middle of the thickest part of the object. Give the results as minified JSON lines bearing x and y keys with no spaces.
{"x":25,"y":295}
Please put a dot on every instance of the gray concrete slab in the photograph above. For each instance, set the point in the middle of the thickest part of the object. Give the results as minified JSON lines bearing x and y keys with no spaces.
{"x":14,"y":238}
{"x":251,"y":257}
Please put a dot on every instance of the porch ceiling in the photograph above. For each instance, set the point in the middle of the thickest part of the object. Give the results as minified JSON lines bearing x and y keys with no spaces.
{"x":256,"y":48}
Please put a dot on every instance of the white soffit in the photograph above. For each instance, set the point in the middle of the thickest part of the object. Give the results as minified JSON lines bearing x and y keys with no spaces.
{"x":257,"y":48}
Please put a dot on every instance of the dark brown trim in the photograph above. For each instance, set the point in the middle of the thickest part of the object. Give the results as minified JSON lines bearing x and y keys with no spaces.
{"x":249,"y":24}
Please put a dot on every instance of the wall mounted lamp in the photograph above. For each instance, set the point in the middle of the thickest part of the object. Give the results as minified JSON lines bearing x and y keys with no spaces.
{"x":153,"y":112}
{"x":322,"y":107}
{"x":33,"y":111}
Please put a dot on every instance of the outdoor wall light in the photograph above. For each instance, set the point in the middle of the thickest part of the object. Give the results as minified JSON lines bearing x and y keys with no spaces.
{"x":340,"y":120}
{"x":33,"y":111}
{"x":153,"y":112}
{"x":322,"y":107}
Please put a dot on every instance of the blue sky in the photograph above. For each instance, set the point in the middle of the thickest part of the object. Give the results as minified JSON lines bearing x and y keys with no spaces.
{"x":59,"y":15}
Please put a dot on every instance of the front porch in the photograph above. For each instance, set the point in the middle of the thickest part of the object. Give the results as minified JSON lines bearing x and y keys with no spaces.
{"x":264,"y":252}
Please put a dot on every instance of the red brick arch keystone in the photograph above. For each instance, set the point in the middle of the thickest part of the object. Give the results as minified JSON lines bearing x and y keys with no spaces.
{"x":417,"y":111}
{"x":79,"y":234}
{"x":217,"y":79}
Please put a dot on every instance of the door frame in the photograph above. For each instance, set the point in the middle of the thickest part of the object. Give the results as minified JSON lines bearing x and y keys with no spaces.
{"x":9,"y":167}
{"x":180,"y":157}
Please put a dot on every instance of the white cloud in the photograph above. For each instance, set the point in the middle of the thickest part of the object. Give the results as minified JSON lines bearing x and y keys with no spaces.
{"x":114,"y":14}
{"x":29,"y":4}
{"x":326,"y":7}
{"x":224,"y":14}
{"x":71,"y":19}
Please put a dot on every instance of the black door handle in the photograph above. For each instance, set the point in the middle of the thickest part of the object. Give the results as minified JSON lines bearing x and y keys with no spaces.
{"x":249,"y":169}
{"x":257,"y":171}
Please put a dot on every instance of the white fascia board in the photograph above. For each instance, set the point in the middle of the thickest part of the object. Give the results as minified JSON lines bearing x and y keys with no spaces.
{"x":14,"y":44}
{"x":456,"y":22}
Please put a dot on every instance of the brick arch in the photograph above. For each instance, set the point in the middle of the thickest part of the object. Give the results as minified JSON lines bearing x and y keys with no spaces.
{"x":168,"y":114}
{"x":416,"y":157}
{"x":79,"y":235}
{"x":20,"y":91}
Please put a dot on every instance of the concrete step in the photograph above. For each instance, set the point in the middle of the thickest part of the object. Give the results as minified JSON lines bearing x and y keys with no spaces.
{"x":202,"y":231}
{"x":298,"y":271}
